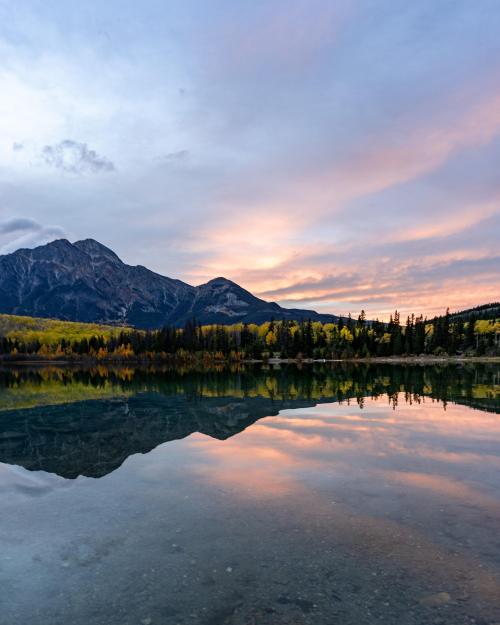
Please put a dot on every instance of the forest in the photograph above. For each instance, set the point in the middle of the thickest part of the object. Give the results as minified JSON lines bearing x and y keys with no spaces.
{"x":462,"y":334}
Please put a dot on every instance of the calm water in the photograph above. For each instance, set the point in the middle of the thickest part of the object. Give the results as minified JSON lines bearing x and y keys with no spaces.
{"x":253,"y":497}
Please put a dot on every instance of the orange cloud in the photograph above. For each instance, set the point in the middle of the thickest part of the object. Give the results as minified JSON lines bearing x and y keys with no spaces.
{"x":269,"y":244}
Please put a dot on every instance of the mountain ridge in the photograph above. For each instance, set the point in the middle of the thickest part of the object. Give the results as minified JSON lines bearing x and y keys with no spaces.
{"x":87,"y":281}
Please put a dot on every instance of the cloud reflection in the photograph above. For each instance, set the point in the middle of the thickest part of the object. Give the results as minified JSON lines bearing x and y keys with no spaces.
{"x":399,"y":486}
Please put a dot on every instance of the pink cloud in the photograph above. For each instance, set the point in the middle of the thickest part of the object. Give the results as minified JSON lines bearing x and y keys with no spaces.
{"x":303,"y":230}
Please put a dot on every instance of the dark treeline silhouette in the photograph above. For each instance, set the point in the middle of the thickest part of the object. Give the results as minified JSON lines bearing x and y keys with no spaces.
{"x":461,"y":334}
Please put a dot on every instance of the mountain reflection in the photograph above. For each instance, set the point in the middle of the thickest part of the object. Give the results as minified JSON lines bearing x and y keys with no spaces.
{"x":87,"y":422}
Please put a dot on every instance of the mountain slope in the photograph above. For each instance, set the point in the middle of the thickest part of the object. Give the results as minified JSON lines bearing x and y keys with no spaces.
{"x":485,"y":311}
{"x":222,"y":299}
{"x":86,"y":281}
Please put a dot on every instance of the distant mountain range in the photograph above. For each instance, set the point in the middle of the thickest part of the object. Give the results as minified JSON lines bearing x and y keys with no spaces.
{"x":86,"y":281}
{"x":485,"y":311}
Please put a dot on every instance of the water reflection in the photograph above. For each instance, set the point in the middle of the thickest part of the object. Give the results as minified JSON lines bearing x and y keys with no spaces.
{"x":87,"y":422}
{"x":266,"y":497}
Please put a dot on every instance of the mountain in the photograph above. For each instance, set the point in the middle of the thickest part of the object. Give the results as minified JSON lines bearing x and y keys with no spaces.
{"x":485,"y":311}
{"x":86,"y":281}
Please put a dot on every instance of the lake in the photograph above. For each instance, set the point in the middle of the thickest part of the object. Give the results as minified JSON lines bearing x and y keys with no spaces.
{"x":327,"y":494}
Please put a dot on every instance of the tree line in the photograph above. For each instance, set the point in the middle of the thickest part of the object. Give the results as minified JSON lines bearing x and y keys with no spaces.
{"x":348,"y":338}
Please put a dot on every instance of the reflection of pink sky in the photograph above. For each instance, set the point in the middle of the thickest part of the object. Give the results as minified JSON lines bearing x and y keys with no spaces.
{"x":310,"y":458}
{"x":256,"y":470}
{"x":269,"y":457}
{"x":441,"y":485}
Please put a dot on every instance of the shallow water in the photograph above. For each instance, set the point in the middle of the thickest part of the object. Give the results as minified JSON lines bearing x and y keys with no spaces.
{"x":248,"y":497}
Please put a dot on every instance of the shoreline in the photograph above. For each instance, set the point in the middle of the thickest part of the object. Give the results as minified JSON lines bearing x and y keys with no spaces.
{"x":394,"y":360}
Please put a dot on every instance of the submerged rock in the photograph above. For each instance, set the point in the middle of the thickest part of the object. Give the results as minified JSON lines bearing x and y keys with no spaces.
{"x":436,"y":600}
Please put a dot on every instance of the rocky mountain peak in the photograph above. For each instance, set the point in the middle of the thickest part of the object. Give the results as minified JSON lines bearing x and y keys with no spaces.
{"x":97,"y":251}
{"x":219,"y":283}
{"x":86,"y":281}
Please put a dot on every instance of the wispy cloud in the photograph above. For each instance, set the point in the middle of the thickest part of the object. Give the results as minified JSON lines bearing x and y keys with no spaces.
{"x":179,"y":155}
{"x":18,"y":232}
{"x":75,"y":157}
{"x":17,"y":224}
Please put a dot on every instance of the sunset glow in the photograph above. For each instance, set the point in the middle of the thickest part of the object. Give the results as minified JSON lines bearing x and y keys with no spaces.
{"x":336,"y":156}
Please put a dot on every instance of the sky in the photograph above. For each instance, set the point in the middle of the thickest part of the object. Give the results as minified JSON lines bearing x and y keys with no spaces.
{"x":328,"y":154}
